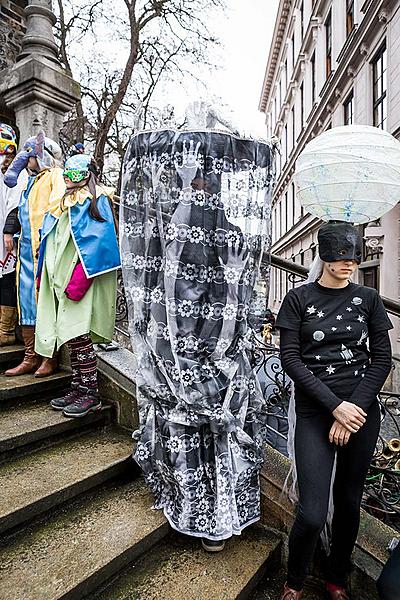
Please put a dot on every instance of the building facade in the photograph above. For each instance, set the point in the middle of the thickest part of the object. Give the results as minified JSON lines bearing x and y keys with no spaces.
{"x":332,"y":63}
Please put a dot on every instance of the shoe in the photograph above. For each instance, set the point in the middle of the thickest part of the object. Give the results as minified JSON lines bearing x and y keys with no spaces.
{"x":336,"y":593}
{"x":290,"y":594}
{"x":48,"y":367}
{"x":88,"y":402}
{"x":9,"y":318}
{"x":212,"y":545}
{"x":70,"y":397}
{"x":31,"y":360}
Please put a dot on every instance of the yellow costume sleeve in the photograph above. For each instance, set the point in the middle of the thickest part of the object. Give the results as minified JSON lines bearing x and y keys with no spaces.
{"x":49,"y":186}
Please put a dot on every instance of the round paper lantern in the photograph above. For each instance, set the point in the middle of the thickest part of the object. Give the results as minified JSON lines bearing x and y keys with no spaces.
{"x":349,"y":173}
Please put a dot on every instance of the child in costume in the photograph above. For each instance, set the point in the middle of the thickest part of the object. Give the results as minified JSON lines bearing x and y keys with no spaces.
{"x":9,"y":224}
{"x":41,"y":157}
{"x":78,"y":260}
{"x":335,"y":347}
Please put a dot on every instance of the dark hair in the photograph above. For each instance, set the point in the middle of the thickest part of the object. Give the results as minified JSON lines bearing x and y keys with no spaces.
{"x":94,"y":209}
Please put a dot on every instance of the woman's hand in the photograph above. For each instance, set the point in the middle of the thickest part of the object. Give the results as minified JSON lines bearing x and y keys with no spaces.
{"x":339,"y":434}
{"x":8,"y":241}
{"x":351,"y":416}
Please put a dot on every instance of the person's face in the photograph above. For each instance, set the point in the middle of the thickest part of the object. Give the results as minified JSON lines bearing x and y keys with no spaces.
{"x":33,"y":164}
{"x":341,"y":269}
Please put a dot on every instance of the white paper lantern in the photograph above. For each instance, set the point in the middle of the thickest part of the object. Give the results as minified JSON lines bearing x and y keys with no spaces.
{"x":349,"y":173}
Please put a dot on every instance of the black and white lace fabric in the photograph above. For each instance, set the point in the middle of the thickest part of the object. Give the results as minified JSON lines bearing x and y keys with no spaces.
{"x":194,"y":223}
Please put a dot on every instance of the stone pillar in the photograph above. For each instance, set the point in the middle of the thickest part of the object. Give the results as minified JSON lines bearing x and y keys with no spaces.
{"x":37,"y":88}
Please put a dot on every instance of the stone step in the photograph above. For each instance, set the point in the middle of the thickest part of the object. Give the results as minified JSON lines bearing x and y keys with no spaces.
{"x":28,"y":387}
{"x":74,"y":552}
{"x":11,"y":355}
{"x":179,"y":568}
{"x":30,"y":485}
{"x":27,"y":425}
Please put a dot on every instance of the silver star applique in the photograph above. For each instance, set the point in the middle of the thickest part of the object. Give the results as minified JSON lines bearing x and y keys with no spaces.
{"x":320,"y":314}
{"x":318,"y":357}
{"x":330,"y":370}
{"x":339,"y":317}
{"x":348,"y":327}
{"x":311,"y":310}
{"x":361,"y":319}
{"x":333,"y":328}
{"x":349,"y":309}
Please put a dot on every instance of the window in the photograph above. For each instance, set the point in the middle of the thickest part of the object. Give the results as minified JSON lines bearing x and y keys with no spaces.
{"x":293,"y":203}
{"x":293,"y":128}
{"x":285,"y":75}
{"x":349,"y":16}
{"x":348,"y":108}
{"x":371,"y":277}
{"x":293,"y":52}
{"x":313,"y":82}
{"x":302,"y":106}
{"x":328,"y":44}
{"x":286,"y":143}
{"x":379,"y":67}
{"x":279,"y":219}
{"x":301,"y":8}
{"x":286,"y":225}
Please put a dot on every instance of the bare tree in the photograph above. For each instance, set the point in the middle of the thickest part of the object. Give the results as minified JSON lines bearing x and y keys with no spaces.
{"x":159,"y":40}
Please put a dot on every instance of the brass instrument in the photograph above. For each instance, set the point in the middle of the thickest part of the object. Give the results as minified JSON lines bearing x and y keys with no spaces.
{"x":390,"y":455}
{"x":267,"y":335}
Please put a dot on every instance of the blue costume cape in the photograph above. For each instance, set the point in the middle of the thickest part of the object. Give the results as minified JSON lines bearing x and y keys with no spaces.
{"x":95,"y":241}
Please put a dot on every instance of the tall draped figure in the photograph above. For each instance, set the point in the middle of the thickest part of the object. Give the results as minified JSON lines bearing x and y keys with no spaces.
{"x":194,"y":224}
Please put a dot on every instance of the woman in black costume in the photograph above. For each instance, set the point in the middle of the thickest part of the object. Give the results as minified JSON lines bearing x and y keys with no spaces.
{"x":336,"y":348}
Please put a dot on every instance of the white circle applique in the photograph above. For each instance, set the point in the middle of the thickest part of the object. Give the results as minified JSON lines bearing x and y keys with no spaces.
{"x":356,"y":300}
{"x":318,"y":336}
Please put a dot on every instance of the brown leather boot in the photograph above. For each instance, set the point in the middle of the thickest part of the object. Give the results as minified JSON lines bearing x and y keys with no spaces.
{"x":31,"y":359}
{"x":48,"y":367}
{"x":9,"y":317}
{"x":290,"y":594}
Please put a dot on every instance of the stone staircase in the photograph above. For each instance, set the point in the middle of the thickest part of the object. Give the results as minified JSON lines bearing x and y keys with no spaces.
{"x":76,"y":519}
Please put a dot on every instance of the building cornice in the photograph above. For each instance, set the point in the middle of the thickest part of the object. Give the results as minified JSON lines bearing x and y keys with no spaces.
{"x":284,"y":11}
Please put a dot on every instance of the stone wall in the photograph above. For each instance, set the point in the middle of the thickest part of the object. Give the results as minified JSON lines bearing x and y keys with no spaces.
{"x":12,"y":27}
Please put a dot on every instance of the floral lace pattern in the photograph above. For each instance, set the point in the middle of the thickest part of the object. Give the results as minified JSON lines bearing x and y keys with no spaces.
{"x":194,"y":222}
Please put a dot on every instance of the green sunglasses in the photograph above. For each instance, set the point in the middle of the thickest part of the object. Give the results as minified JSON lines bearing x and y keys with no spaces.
{"x":75,"y":175}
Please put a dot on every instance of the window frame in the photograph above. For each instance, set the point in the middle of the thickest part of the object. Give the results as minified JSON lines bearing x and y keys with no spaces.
{"x":350,"y":16}
{"x":349,"y":104}
{"x":328,"y":44}
{"x":379,"y":87}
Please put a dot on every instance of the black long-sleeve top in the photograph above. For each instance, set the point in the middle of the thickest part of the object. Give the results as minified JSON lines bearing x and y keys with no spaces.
{"x":334,"y":345}
{"x":12,"y":224}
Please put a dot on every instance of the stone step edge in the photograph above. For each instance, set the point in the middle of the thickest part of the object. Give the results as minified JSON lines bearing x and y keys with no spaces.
{"x":49,"y":432}
{"x":117,"y":564}
{"x":32,"y":387}
{"x":23,"y":515}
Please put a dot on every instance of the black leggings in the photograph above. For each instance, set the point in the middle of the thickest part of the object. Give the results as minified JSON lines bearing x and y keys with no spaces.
{"x":8,"y":291}
{"x":314,"y":460}
{"x":389,"y":581}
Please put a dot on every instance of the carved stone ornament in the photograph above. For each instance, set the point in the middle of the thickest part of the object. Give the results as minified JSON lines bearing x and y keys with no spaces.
{"x":374,"y":239}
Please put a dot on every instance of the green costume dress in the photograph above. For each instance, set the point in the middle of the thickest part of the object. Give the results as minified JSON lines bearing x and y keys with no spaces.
{"x":60,"y":319}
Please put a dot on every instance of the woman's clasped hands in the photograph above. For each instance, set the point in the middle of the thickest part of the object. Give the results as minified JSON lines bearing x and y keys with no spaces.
{"x":348,"y":419}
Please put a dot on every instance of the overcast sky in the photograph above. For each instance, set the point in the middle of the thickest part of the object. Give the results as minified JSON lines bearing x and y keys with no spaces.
{"x":246,"y":33}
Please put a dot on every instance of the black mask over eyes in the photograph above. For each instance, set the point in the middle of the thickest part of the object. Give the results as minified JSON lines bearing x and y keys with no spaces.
{"x":339,"y":241}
